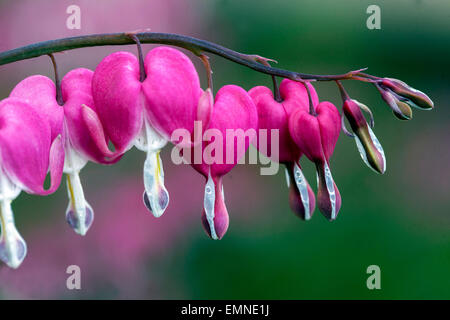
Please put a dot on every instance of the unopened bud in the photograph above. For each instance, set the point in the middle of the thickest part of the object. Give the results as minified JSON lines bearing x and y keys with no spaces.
{"x":401,"y":109}
{"x":367,"y":143}
{"x":406,"y":112}
{"x":411,"y":96}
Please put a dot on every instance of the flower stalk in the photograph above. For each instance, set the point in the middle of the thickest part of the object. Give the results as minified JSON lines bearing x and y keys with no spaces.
{"x":59,"y":97}
{"x":197,"y":46}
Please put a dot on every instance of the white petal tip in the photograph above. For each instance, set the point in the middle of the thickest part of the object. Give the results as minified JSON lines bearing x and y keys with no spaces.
{"x":157,"y":205}
{"x":13,"y":251}
{"x":80,"y":220}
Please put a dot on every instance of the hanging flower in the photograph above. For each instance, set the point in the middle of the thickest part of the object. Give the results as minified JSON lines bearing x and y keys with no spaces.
{"x":27,"y":153}
{"x":230,"y":128}
{"x":273,"y":114}
{"x":74,"y":118}
{"x":316,"y":133}
{"x":145,"y":112}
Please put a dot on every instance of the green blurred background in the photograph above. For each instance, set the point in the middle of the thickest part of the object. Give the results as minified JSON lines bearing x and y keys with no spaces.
{"x":399,"y":221}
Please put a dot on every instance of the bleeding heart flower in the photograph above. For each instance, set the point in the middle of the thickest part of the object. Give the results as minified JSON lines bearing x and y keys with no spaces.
{"x":274,"y":114}
{"x":27,"y":153}
{"x":81,"y":131}
{"x":146,"y":113}
{"x":316,"y":135}
{"x":231,"y":129}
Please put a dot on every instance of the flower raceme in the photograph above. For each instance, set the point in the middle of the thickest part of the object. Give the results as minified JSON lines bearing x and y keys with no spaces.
{"x":129,"y":101}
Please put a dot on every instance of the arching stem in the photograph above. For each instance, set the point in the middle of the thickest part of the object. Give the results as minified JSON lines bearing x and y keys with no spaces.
{"x":192,"y":44}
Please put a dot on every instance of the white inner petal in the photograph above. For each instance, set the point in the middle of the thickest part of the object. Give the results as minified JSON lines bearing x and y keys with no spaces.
{"x":13,"y":248}
{"x":302,"y":187}
{"x":331,"y":192}
{"x":288,"y":179}
{"x":208,"y":204}
{"x":79,"y":213}
{"x":151,"y":142}
{"x":157,"y":194}
{"x":73,"y":161}
{"x":148,"y":139}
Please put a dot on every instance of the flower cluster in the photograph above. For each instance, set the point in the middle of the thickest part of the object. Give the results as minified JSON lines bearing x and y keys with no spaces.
{"x":57,"y":127}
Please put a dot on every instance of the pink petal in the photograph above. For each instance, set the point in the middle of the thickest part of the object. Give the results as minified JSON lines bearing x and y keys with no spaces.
{"x":205,"y":107}
{"x":295,"y":96}
{"x":85,"y":130}
{"x":330,"y":126}
{"x":118,"y":99}
{"x":272,"y":115}
{"x":221,"y":218}
{"x":56,"y":165}
{"x":25,"y":147}
{"x":96,"y":144}
{"x":172,"y":90}
{"x":305,"y":131}
{"x":233,"y":109}
{"x":40,"y":93}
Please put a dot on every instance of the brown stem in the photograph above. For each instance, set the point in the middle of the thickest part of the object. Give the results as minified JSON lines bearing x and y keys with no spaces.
{"x":205,"y":60}
{"x":142,"y":74}
{"x":312,"y":111}
{"x":193,"y":44}
{"x":59,"y":97}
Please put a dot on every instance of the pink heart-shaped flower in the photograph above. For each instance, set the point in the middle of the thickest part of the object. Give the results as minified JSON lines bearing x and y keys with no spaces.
{"x":316,"y":136}
{"x":232,"y":126}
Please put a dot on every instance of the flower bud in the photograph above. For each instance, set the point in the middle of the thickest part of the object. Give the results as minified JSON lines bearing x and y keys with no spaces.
{"x":401,"y":109}
{"x":406,"y":112}
{"x":367,"y":143}
{"x":411,"y":96}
